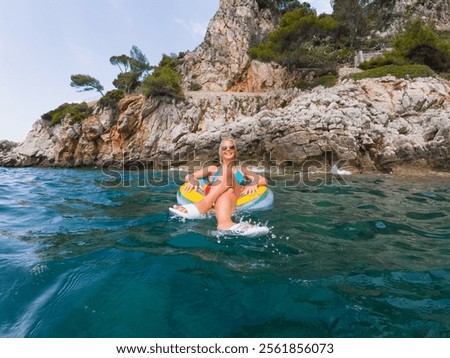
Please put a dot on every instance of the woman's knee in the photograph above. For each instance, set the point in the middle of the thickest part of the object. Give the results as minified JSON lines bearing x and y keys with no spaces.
{"x":228,"y":196}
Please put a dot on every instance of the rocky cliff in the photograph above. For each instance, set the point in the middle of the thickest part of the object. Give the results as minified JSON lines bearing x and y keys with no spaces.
{"x":372,"y":124}
{"x":437,"y":11}
{"x":221,"y":62}
{"x":397,"y":12}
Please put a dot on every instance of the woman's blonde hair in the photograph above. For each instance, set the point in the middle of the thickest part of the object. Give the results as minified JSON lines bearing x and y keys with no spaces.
{"x":228,"y":139}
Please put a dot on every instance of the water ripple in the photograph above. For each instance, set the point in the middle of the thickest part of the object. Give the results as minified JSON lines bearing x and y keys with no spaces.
{"x":366,"y":258}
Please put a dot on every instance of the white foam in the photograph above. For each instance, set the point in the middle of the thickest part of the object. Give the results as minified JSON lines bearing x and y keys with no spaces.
{"x":257,"y":169}
{"x":245,"y":229}
{"x":336,"y":171}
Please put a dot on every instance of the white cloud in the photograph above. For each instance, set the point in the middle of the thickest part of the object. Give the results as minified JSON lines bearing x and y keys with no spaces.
{"x":321,"y":6}
{"x":196,"y":29}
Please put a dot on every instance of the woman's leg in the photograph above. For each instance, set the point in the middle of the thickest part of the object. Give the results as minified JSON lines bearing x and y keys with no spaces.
{"x":224,"y":208}
{"x":219,"y":187}
{"x":226,"y":204}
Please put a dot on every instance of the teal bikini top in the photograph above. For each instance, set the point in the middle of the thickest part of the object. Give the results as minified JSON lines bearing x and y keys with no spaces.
{"x":237,"y":175}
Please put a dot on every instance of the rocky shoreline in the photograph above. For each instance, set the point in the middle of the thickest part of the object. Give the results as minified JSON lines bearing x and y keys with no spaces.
{"x":370,"y":125}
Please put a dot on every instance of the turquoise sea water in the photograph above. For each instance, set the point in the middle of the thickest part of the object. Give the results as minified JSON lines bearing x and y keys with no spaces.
{"x":365,"y":258}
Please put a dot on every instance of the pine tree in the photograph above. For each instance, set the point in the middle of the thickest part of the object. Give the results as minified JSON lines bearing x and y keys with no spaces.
{"x":86,"y":83}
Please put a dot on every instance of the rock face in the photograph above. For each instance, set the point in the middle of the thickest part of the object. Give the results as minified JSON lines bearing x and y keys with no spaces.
{"x":154,"y":129}
{"x":399,"y":11}
{"x":221,"y":62}
{"x":6,"y":147}
{"x":437,"y":11}
{"x":372,"y":124}
{"x":368,"y":124}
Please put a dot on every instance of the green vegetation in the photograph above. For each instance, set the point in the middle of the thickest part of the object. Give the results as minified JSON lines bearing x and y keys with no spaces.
{"x":132,"y":68}
{"x":163,"y":82}
{"x":388,"y":58}
{"x":405,"y":71}
{"x":420,"y":44}
{"x":354,"y":20}
{"x":301,"y":40}
{"x":195,"y":86}
{"x":304,"y":39}
{"x":86,"y":83}
{"x":77,"y":112}
{"x":165,"y":79}
{"x":111,"y":99}
{"x":278,"y":7}
{"x":127,"y":82}
{"x":329,"y":80}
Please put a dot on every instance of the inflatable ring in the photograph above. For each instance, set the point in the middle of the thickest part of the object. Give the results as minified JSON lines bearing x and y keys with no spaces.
{"x":262,"y":200}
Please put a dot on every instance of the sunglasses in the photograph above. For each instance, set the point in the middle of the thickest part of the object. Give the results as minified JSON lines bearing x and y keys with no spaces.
{"x":231,"y":147}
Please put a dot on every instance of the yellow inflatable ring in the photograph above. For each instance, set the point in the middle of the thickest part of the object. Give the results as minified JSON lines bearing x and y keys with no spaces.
{"x":262,"y":200}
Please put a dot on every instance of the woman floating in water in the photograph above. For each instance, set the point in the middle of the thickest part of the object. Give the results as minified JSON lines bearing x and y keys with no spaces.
{"x":226,"y":185}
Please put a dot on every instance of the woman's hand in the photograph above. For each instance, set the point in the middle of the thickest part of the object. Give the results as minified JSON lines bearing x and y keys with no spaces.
{"x":250,"y":189}
{"x":191,"y":184}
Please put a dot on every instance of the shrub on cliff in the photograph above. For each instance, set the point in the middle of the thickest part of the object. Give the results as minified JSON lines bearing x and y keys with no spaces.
{"x":77,"y":112}
{"x":388,"y":58}
{"x":111,"y":99}
{"x":302,"y":39}
{"x":165,"y":80}
{"x":132,"y":68}
{"x":195,"y":86}
{"x":127,"y":82}
{"x":86,"y":83}
{"x":354,"y":20}
{"x":406,"y":71}
{"x":419,"y":44}
{"x":328,"y":80}
{"x":171,"y":61}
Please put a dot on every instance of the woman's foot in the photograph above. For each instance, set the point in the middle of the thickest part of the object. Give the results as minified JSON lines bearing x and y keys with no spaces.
{"x":226,"y":226}
{"x":187,"y":211}
{"x":180,"y":208}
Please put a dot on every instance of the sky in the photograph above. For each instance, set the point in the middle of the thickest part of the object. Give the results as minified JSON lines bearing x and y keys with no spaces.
{"x":44,"y":42}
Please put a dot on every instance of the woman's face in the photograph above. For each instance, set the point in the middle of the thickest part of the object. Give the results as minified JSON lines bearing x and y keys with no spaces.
{"x":228,"y":150}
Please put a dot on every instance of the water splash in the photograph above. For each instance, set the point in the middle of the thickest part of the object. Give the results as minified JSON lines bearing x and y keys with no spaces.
{"x":336,"y":171}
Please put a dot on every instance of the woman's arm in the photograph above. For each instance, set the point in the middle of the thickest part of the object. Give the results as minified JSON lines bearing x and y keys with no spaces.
{"x":256,"y":180}
{"x":262,"y":181}
{"x":192,"y":178}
